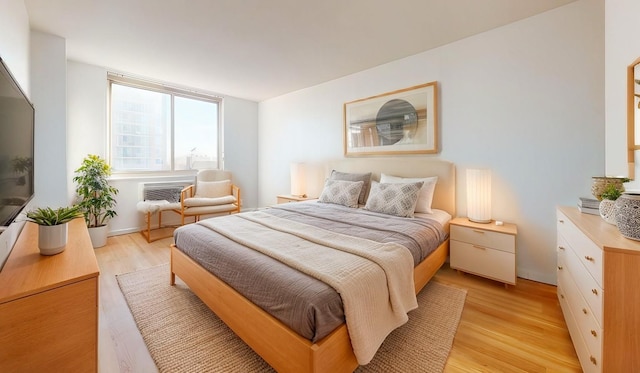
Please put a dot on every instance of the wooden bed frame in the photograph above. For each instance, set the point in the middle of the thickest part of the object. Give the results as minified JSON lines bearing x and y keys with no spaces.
{"x":277,"y":344}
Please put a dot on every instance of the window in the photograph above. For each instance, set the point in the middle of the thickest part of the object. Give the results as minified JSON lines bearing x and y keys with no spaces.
{"x":157,"y":128}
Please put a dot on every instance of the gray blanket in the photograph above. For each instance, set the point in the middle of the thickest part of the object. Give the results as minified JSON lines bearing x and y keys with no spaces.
{"x":308,"y":306}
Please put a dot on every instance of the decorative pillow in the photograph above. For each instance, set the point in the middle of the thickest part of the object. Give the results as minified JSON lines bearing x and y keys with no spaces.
{"x":365,"y":178}
{"x":341,"y":192}
{"x":398,"y":199}
{"x":213,"y":189}
{"x":426,"y":192}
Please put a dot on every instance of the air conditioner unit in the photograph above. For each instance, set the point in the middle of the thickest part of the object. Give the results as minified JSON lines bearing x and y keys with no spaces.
{"x":165,"y":190}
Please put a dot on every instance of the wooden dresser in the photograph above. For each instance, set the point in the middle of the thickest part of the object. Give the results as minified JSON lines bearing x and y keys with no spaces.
{"x":599,"y":291}
{"x":49,"y":305}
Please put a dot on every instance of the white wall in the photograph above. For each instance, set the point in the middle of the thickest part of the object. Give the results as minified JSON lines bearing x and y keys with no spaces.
{"x":49,"y":92}
{"x":87,"y":133}
{"x":241,"y":147}
{"x":526,"y":100}
{"x":14,"y":40}
{"x":622,"y":47}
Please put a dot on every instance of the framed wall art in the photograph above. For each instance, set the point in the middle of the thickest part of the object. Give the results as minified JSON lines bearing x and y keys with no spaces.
{"x":399,"y":122}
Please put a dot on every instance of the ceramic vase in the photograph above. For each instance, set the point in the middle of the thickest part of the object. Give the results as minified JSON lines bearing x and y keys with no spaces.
{"x":52,"y":239}
{"x":627,"y":213}
{"x":607,"y":211}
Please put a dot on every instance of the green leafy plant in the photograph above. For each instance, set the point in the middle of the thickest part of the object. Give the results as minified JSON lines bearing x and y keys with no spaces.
{"x":49,"y":216}
{"x":96,"y":196}
{"x":611,"y":192}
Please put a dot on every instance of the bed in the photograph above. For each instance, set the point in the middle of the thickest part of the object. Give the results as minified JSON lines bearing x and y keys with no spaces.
{"x":281,"y":345}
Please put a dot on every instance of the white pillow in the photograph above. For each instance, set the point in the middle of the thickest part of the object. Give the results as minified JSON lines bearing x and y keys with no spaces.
{"x":398,"y":199}
{"x":341,"y":192}
{"x":426,"y":192}
{"x":213,"y":189}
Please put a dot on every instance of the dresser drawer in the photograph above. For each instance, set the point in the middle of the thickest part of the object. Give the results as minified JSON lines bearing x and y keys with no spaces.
{"x":589,"y":254}
{"x":586,"y":324}
{"x":484,"y":238}
{"x":490,"y":263}
{"x":586,"y":285}
{"x":589,"y":363}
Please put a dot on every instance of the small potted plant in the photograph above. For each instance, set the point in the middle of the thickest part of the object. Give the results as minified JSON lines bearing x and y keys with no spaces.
{"x":609,"y":196}
{"x":53,"y":227}
{"x":96,"y":197}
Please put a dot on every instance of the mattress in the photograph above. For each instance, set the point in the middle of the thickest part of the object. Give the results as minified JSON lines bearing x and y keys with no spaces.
{"x":306,"y":305}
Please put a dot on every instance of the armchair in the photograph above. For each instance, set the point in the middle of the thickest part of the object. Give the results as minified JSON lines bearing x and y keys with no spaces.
{"x":213,"y":193}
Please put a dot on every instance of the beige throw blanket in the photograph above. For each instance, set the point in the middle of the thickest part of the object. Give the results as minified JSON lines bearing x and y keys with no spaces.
{"x":375,"y":280}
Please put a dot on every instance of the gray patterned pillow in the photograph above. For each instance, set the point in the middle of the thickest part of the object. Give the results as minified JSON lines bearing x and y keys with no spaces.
{"x":341,"y":192}
{"x":348,"y":176}
{"x":398,"y":199}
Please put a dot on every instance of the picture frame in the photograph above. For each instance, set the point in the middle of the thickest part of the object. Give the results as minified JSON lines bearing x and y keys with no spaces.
{"x":399,"y":122}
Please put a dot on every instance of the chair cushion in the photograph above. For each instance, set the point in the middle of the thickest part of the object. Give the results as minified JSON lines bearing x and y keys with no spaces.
{"x":213,"y":189}
{"x":202,"y":201}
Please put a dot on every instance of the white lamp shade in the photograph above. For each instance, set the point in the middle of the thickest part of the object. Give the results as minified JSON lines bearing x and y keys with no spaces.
{"x":479,"y":195}
{"x":298,"y":179}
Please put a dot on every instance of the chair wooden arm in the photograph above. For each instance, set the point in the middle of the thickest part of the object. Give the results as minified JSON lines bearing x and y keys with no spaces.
{"x":236,"y":193}
{"x":186,"y":192}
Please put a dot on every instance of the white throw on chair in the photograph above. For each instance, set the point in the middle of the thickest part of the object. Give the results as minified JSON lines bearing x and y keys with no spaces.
{"x":213,"y":193}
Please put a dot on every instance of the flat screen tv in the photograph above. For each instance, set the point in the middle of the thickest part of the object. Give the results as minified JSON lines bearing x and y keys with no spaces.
{"x":16,"y":147}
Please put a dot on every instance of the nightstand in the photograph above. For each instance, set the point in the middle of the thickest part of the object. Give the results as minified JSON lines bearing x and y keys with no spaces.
{"x":286,"y":198}
{"x":486,"y":250}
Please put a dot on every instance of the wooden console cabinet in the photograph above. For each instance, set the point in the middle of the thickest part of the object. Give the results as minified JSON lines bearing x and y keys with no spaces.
{"x":598,"y":276}
{"x":49,"y":305}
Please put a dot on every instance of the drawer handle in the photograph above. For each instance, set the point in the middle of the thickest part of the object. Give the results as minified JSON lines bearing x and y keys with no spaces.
{"x":593,"y":333}
{"x":561,"y":247}
{"x":594,"y":291}
{"x":561,"y":221}
{"x":478,"y":231}
{"x":560,"y":267}
{"x":589,"y":258}
{"x":479,"y":247}
{"x":593,"y":360}
{"x":584,"y":310}
{"x":562,"y":296}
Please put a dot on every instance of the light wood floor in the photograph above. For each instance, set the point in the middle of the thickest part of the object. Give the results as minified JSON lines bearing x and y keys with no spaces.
{"x":519,"y":329}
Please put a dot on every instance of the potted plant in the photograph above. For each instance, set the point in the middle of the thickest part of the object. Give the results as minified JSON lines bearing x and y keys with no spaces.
{"x":609,"y":195}
{"x":52,"y":226}
{"x":96,"y":197}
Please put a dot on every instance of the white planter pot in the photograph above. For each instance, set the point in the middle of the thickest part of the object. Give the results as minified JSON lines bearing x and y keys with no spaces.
{"x":52,"y":239}
{"x":98,"y":236}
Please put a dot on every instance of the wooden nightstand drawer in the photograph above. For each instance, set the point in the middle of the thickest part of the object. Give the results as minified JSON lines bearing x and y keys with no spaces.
{"x":484,"y":238}
{"x":487,"y":250}
{"x":495,"y":264}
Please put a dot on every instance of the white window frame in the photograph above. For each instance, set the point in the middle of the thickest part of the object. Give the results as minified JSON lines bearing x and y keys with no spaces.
{"x":173,"y":91}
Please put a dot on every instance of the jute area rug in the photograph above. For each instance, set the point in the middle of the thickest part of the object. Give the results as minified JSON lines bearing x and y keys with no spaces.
{"x":183,"y":335}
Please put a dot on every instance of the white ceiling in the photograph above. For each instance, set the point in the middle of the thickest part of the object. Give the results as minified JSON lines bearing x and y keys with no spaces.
{"x":258,"y":49}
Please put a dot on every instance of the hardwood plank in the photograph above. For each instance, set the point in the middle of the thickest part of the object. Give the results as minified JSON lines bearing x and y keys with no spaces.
{"x":520,"y":329}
